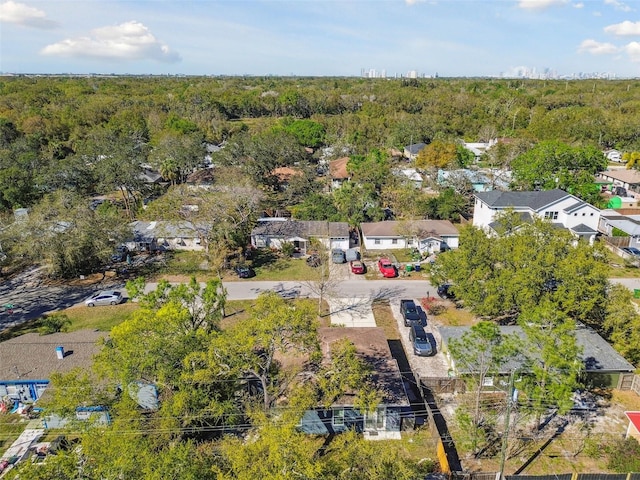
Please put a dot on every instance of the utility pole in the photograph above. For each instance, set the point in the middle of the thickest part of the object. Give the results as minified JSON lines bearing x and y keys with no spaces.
{"x":505,"y":434}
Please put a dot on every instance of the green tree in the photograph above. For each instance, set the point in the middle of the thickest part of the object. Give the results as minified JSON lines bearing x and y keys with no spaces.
{"x":553,"y":364}
{"x":309,"y":133}
{"x":175,"y":156}
{"x":553,"y":164}
{"x":622,"y":323}
{"x":316,"y":206}
{"x":480,"y":353}
{"x":275,"y":326}
{"x":502,"y":277}
{"x":63,"y":233}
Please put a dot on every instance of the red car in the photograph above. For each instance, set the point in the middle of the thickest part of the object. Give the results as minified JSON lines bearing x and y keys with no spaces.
{"x":387,"y":269}
{"x":357,"y":267}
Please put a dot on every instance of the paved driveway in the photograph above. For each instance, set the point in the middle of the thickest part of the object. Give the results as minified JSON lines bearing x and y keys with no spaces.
{"x":351,"y":312}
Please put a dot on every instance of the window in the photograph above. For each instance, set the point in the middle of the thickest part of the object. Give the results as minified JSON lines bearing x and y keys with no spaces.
{"x":488,"y":382}
{"x":394,"y":241}
{"x":410,"y":241}
{"x":338,"y":417}
{"x":376,"y":241}
{"x":551,"y":215}
{"x":591,"y":214}
{"x":583,"y":214}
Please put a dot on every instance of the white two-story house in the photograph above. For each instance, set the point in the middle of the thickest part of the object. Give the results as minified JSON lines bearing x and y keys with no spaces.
{"x":558,"y":206}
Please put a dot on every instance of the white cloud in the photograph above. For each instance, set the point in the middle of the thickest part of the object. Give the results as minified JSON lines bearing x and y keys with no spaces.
{"x":633,"y":50}
{"x":597,"y":48}
{"x":625,"y":28}
{"x":618,"y":5}
{"x":578,"y":5}
{"x":127,"y":41}
{"x":22,"y":14}
{"x":540,"y":4}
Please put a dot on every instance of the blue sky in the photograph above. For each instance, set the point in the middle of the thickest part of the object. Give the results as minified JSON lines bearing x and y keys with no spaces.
{"x":319,"y":37}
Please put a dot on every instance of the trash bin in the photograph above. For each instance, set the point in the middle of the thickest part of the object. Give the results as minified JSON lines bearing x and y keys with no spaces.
{"x":636,"y":293}
{"x":409,"y":267}
{"x":416,"y":267}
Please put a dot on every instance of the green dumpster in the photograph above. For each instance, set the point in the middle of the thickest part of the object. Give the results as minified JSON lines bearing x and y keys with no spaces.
{"x":409,"y":267}
{"x":636,"y":293}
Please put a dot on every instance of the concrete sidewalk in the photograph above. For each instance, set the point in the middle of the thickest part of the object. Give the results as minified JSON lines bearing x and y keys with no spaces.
{"x":351,"y":312}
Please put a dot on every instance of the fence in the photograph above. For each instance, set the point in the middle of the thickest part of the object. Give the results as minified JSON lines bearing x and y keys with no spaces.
{"x":440,"y":385}
{"x":564,"y":476}
{"x":635,"y":387}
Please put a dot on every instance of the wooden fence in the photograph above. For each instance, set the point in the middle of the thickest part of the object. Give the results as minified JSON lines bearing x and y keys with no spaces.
{"x":440,"y":385}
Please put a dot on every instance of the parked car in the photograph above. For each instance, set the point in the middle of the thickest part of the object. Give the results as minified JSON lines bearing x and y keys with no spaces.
{"x":338,"y":256}
{"x":387,"y":269}
{"x":244,"y":272}
{"x":444,"y":291}
{"x":632,"y":251}
{"x":423,"y":344}
{"x":410,"y":313}
{"x":357,"y":267}
{"x":105,"y":297}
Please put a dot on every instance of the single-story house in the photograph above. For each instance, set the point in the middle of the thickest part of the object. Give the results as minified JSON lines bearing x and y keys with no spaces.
{"x":425,"y":235}
{"x":338,"y":172}
{"x":161,"y":235}
{"x":628,"y":179}
{"x":603,"y":366}
{"x":201,"y":179}
{"x":613,"y":155}
{"x":628,"y":224}
{"x":480,"y":180}
{"x":272,"y":232}
{"x":27,"y":361}
{"x":412,"y":175}
{"x":150,"y":176}
{"x":633,"y":430}
{"x":556,"y":205}
{"x":411,"y":151}
{"x":285,"y":174}
{"x":386,"y":421}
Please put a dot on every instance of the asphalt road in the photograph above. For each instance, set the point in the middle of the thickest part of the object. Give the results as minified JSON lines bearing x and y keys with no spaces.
{"x":32,"y":297}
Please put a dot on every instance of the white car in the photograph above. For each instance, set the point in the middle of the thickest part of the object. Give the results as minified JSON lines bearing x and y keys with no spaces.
{"x":106,"y":297}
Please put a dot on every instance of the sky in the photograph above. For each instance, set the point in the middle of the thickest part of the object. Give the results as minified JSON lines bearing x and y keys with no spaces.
{"x":448,"y":38}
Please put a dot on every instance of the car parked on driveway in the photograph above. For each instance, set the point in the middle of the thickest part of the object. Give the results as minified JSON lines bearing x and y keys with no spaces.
{"x":423,"y":343}
{"x":444,"y":291}
{"x":244,"y":272}
{"x":338,"y":256}
{"x":410,"y":313}
{"x":357,"y":267}
{"x":105,"y":297}
{"x":387,"y":269}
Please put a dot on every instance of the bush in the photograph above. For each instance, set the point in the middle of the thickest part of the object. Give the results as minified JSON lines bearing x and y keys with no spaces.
{"x":624,"y":456}
{"x":54,"y":323}
{"x":432,"y":306}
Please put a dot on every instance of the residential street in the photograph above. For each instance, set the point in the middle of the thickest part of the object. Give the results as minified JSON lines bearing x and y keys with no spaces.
{"x":32,"y":297}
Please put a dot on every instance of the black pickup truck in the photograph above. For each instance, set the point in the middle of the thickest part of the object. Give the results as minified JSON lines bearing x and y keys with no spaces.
{"x":410,"y":313}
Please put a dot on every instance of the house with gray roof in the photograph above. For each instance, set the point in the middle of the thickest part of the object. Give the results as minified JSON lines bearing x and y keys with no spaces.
{"x":427,"y":236}
{"x":627,"y":224}
{"x":273,"y":232}
{"x":557,"y":206}
{"x":411,"y":151}
{"x":28,"y":361}
{"x":162,"y":235}
{"x":602,"y":365}
{"x":385,"y":422}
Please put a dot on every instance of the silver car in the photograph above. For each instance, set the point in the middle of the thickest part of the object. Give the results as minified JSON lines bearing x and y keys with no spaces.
{"x":106,"y":297}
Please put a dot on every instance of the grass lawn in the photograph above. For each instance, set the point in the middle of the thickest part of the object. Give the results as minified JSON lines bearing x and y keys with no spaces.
{"x":96,"y":318}
{"x":12,"y":426}
{"x":238,"y":310}
{"x":385,"y":319}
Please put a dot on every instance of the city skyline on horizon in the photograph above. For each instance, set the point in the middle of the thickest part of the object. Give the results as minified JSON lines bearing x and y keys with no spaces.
{"x":450,"y":38}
